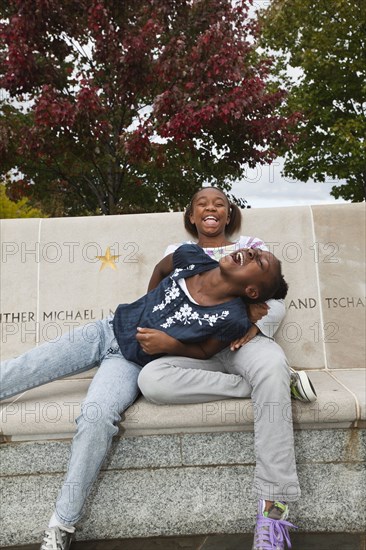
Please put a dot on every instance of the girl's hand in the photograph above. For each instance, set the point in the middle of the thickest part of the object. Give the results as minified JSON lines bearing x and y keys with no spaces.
{"x":154,"y":341}
{"x":257,"y":311}
{"x":239,"y":342}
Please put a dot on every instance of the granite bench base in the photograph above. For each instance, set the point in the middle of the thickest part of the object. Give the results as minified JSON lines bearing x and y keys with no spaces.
{"x":163,"y":485}
{"x":180,"y":470}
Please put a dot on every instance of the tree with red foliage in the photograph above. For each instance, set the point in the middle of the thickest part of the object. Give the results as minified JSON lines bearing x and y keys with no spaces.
{"x":129,"y":106}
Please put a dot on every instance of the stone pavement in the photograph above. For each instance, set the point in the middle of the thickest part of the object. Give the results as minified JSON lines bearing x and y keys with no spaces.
{"x":300,"y":541}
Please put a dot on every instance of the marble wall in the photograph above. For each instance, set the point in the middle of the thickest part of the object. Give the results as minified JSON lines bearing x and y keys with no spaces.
{"x":57,"y":274}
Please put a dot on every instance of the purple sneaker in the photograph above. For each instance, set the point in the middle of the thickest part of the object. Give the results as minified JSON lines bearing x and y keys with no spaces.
{"x":271,"y":531}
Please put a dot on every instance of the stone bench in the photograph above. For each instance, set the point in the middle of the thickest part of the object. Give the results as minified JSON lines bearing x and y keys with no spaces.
{"x":183,"y":469}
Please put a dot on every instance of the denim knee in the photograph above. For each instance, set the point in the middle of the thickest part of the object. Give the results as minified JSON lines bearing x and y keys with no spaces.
{"x":98,"y":420}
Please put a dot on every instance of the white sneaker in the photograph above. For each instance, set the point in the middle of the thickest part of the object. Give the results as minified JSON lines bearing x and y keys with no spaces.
{"x":56,"y":539}
{"x":301,"y":386}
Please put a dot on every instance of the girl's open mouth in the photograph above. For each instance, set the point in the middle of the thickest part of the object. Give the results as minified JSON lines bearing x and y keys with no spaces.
{"x":238,"y":258}
{"x":210,"y":220}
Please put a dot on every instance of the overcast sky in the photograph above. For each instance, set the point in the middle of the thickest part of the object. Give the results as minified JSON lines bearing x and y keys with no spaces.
{"x":265,"y":187}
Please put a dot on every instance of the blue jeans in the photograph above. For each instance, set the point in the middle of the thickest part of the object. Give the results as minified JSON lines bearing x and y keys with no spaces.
{"x":112,"y":390}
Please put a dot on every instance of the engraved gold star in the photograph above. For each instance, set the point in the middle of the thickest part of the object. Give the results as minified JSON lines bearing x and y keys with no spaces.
{"x":108,"y":260}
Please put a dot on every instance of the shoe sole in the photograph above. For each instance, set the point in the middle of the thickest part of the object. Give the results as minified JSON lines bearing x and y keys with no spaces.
{"x":306,"y":387}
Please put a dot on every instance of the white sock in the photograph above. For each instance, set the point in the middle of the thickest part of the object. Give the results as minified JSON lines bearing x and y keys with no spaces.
{"x":55,"y":523}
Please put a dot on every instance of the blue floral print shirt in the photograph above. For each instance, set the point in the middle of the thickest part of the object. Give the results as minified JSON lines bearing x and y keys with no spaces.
{"x":168,"y":308}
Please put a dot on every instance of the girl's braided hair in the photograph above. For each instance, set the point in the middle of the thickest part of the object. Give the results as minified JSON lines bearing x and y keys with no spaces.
{"x":234,"y":212}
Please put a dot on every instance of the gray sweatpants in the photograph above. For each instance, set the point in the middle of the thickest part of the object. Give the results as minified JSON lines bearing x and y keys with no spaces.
{"x":258,"y":369}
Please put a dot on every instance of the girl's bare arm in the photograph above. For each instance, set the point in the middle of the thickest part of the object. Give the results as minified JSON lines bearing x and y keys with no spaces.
{"x":161,"y":270}
{"x":155,"y":341}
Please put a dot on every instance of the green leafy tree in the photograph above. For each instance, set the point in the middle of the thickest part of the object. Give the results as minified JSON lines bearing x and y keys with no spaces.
{"x":325,"y":39}
{"x":127,"y":106}
{"x":20,"y":209}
